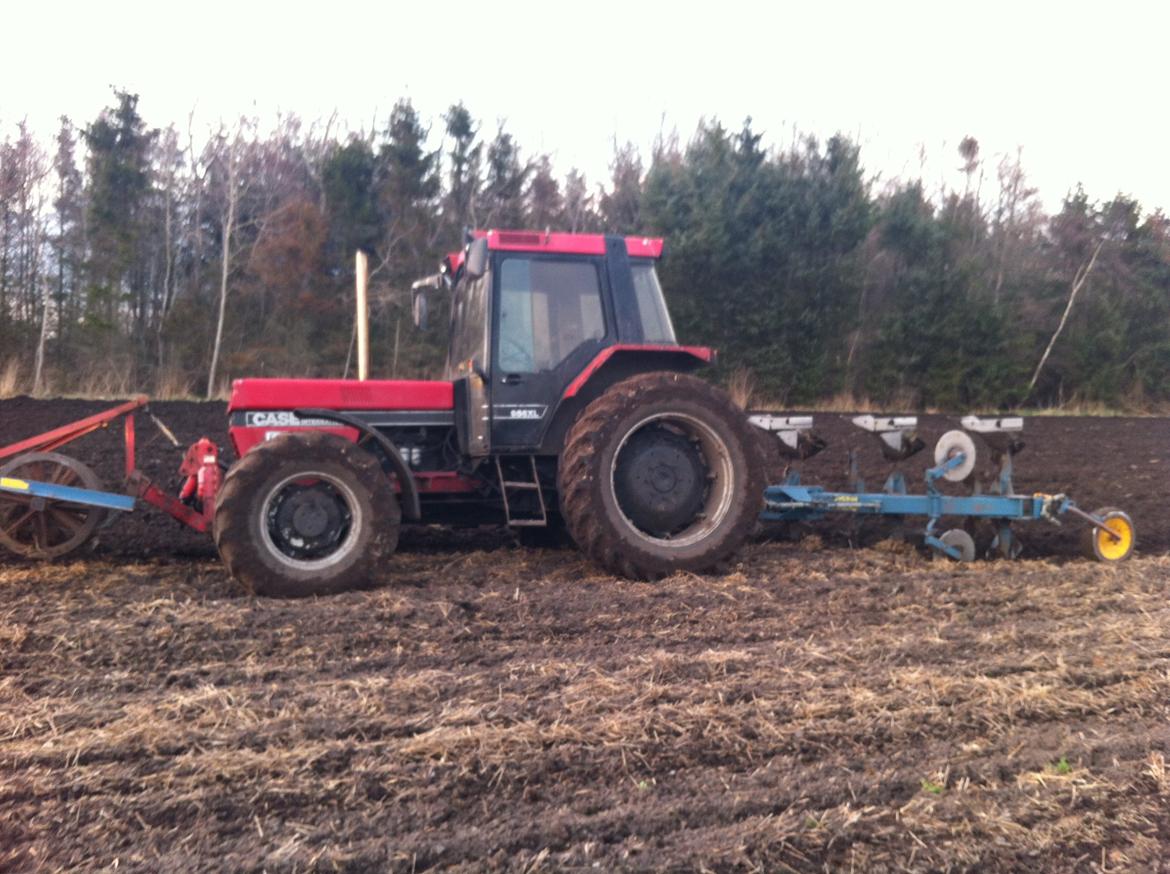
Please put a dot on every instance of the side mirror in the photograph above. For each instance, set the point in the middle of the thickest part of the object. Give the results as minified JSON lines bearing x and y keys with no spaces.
{"x":419,"y":306}
{"x":476,"y":263}
{"x":418,"y":297}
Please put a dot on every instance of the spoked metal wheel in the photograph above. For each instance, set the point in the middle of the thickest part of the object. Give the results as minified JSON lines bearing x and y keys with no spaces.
{"x":672,"y":479}
{"x":43,"y":528}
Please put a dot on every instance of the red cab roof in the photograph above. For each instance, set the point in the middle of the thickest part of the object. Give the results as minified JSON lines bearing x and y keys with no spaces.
{"x":570,"y":244}
{"x":558,"y":243}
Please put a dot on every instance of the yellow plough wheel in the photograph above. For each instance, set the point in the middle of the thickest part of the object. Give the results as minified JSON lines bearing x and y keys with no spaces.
{"x":1104,"y":547}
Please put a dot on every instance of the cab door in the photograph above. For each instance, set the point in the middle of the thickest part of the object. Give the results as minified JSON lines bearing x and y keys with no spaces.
{"x":467,"y":365}
{"x":550,"y":321}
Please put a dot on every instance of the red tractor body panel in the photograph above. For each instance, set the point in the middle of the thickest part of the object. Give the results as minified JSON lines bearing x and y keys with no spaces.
{"x":341,"y":394}
{"x":268,"y":405}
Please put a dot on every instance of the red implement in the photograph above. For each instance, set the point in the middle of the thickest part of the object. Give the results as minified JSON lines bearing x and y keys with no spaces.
{"x":200,"y":466}
{"x":58,"y":437}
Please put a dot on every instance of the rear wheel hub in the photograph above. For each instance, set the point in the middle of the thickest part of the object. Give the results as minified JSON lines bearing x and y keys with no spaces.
{"x":659,"y":481}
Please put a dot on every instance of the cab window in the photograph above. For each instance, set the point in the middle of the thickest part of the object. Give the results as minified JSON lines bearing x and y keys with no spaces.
{"x":548,"y":310}
{"x":656,"y":326}
{"x":468,"y":326}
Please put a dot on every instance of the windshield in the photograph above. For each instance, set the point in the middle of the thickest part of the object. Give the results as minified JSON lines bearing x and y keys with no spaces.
{"x":656,"y":326}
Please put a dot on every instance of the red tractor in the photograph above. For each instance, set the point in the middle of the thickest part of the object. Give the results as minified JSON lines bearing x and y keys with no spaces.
{"x":567,"y":402}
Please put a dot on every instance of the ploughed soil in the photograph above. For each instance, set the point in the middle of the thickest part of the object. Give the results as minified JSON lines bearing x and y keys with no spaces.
{"x":835,"y":701}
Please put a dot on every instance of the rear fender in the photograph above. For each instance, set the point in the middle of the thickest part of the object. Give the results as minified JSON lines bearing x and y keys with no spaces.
{"x":612,"y":365}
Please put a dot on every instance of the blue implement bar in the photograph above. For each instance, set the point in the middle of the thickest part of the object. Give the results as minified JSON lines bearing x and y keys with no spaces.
{"x":786,"y":502}
{"x":69,"y":494}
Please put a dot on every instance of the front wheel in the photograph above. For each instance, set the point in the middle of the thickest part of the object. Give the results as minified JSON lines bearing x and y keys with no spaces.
{"x":661,"y":474}
{"x":307,"y":513}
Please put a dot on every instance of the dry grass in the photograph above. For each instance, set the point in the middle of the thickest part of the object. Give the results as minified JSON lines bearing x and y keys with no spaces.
{"x":517,"y":710}
{"x":1097,"y":409}
{"x":741,"y":385}
{"x":106,"y":383}
{"x":12,"y":381}
{"x":172,"y":383}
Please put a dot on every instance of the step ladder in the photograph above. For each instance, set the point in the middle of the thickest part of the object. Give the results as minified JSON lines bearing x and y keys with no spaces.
{"x":519,"y":487}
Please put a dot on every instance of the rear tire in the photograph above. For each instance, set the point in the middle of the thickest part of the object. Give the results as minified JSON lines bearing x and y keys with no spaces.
{"x":307,"y":513}
{"x":662,"y":473}
{"x":775,"y":465}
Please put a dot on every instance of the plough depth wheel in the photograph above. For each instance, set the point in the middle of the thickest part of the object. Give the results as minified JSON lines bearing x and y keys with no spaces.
{"x":1114,"y":547}
{"x":44,"y":528}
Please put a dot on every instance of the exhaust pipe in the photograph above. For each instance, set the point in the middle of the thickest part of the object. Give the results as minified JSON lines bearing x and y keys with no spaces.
{"x":362,"y":275}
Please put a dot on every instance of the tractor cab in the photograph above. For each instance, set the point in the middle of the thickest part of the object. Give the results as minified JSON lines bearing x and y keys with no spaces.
{"x":533,"y":316}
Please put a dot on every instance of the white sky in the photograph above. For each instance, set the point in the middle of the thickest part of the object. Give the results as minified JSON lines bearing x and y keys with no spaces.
{"x":1080,"y":86}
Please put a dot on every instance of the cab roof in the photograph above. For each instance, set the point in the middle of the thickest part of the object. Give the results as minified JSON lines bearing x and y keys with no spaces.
{"x":555,"y":242}
{"x":569,"y":244}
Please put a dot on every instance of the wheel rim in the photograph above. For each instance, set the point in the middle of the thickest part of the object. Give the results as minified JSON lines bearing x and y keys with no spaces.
{"x":310,"y":520}
{"x":42,"y":528}
{"x":1112,"y":549}
{"x":716,"y":472}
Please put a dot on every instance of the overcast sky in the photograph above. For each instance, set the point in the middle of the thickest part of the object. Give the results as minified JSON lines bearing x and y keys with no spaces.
{"x":1081,"y":87}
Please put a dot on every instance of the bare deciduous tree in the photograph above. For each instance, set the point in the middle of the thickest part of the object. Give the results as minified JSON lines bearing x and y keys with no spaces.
{"x":230,"y":216}
{"x":1078,"y":282}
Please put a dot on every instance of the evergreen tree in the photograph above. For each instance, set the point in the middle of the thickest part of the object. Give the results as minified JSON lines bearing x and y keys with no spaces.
{"x":546,"y":207}
{"x":160,"y":254}
{"x":408,"y":186}
{"x":503,"y":195}
{"x":579,"y":215}
{"x":119,"y":183}
{"x":940,"y":341}
{"x":463,"y":182}
{"x":69,"y":241}
{"x":351,"y":201}
{"x":621,"y":205}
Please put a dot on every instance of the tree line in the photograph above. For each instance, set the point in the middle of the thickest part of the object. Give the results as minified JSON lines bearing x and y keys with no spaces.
{"x":135,"y":258}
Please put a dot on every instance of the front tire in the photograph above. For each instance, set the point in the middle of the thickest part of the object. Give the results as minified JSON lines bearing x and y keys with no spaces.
{"x":307,"y":513}
{"x":660,"y":474}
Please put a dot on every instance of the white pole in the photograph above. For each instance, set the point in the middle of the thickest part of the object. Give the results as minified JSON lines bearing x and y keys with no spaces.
{"x":362,"y":270}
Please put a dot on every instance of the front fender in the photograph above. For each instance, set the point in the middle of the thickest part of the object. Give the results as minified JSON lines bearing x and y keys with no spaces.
{"x":411,"y":508}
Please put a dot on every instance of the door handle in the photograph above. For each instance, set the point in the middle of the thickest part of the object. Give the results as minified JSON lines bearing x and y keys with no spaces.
{"x":511,"y":379}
